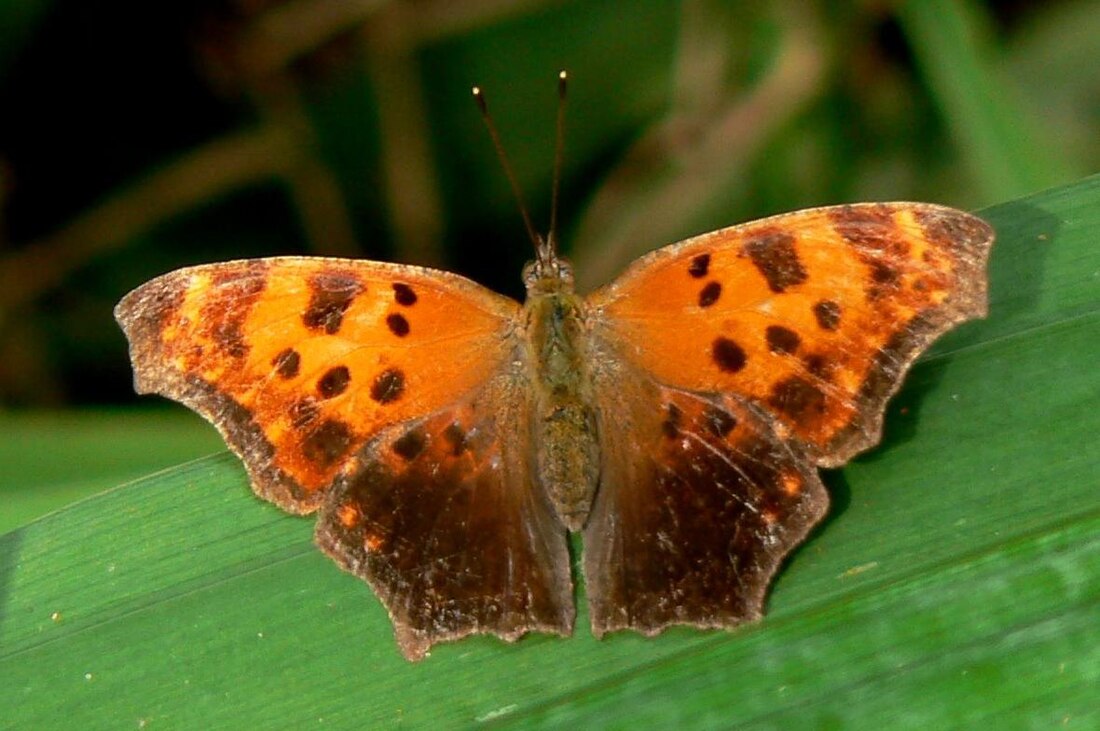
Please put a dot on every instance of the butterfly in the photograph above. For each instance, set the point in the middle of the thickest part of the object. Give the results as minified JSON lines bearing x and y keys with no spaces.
{"x":451,"y":438}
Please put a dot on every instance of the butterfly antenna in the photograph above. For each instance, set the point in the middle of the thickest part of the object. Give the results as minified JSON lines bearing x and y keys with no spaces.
{"x":559,"y":155}
{"x":540,"y":245}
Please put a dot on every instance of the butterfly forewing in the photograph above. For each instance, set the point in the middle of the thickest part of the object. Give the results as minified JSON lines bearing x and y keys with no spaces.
{"x":299,"y":361}
{"x":814,"y":315}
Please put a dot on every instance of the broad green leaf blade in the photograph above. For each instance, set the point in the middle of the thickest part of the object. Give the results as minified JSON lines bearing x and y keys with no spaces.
{"x":51,"y":459}
{"x":957,"y":578}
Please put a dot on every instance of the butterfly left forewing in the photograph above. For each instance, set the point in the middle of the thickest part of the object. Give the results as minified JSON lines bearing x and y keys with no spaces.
{"x":298,"y":361}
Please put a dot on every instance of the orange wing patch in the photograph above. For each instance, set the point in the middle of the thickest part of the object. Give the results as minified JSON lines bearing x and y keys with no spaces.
{"x":299,"y":361}
{"x":814,"y":314}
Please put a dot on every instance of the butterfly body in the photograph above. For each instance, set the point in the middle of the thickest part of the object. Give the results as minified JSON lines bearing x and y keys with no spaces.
{"x":564,"y":428}
{"x":449,"y":438}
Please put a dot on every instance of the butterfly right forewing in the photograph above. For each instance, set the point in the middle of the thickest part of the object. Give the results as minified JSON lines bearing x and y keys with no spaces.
{"x":815,"y":315}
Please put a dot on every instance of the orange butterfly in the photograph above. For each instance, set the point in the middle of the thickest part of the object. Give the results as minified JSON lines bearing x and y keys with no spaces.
{"x":450,"y":437}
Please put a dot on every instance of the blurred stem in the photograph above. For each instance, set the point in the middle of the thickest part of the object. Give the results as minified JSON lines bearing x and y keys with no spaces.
{"x":288,"y":30}
{"x":314,"y":191}
{"x":222,"y":166}
{"x":998,"y":139}
{"x":412,"y":189}
{"x":673,"y":172}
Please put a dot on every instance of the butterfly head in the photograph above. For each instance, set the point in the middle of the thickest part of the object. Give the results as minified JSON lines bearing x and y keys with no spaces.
{"x":548,"y":273}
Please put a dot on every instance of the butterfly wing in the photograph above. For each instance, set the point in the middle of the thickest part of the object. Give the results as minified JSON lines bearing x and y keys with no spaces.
{"x":317,"y":372}
{"x":799,"y":328}
{"x":699,"y":501}
{"x":815,"y":315}
{"x":443,"y":516}
{"x":299,"y":361}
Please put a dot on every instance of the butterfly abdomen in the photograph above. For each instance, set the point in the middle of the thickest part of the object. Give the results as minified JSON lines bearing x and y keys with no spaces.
{"x":564,"y":428}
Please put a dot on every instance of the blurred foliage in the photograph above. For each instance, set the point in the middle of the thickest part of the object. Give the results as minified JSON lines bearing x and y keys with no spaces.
{"x":141,"y":137}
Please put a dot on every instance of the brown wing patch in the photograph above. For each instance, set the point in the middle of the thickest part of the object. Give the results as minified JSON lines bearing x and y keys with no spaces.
{"x":299,"y":361}
{"x":443,"y":518}
{"x":695,"y":511}
{"x":820,"y":314}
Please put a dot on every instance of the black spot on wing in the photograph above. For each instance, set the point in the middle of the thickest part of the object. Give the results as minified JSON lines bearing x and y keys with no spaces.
{"x":718,"y":421}
{"x":223,"y":317}
{"x":334,"y":382}
{"x":287,"y":363}
{"x":797,"y":397}
{"x":331,"y":294}
{"x":410,"y":444}
{"x":670,"y":425}
{"x":709,"y":294}
{"x":818,"y":366}
{"x":328,"y":443}
{"x":397,"y":324}
{"x":774,"y":256}
{"x":388,"y":386}
{"x":728,"y":355}
{"x":884,"y":279}
{"x":781,"y":340}
{"x":869,"y":228}
{"x":827,"y":314}
{"x":699,"y":266}
{"x":404,"y":295}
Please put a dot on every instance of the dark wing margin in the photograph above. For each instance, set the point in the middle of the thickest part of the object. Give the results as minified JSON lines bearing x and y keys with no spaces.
{"x":697,"y":509}
{"x":145,"y":313}
{"x":953,"y":236}
{"x":443,"y":518}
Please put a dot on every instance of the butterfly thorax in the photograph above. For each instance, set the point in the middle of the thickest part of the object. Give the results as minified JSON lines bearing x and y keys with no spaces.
{"x":564,"y":423}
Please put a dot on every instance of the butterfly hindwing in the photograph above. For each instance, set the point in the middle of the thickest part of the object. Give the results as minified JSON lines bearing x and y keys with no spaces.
{"x":443,"y":517}
{"x":699,"y":502}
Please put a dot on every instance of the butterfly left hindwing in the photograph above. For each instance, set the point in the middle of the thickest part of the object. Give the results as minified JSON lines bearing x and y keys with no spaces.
{"x":699,"y":501}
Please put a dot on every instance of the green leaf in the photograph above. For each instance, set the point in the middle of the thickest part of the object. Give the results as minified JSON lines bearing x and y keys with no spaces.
{"x":52,"y":459}
{"x":956,"y":580}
